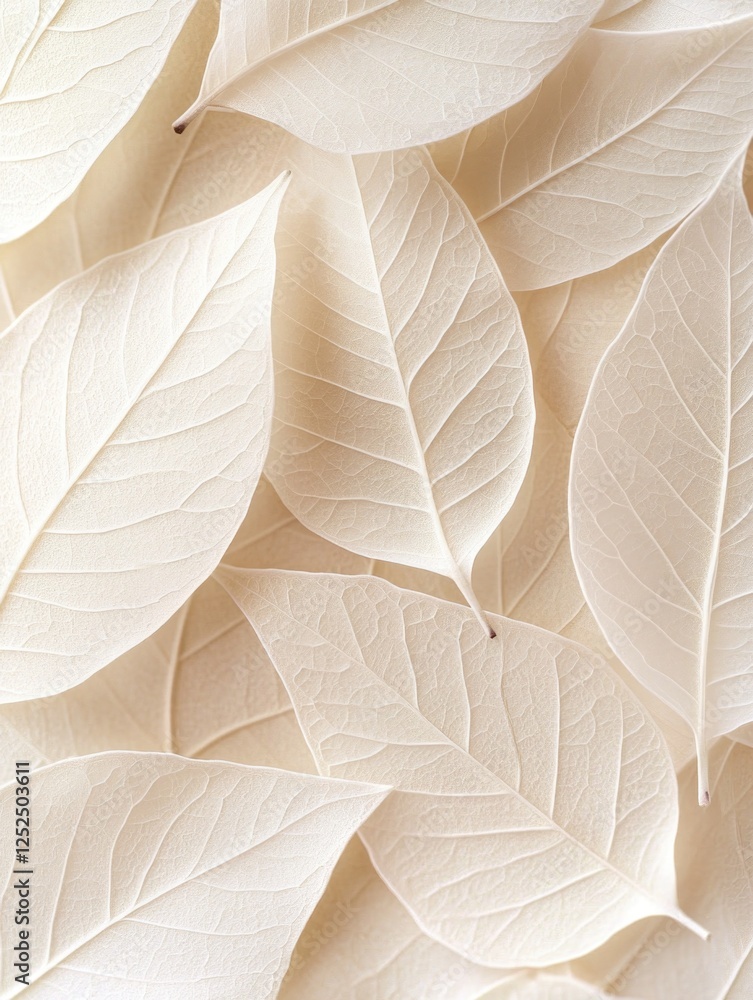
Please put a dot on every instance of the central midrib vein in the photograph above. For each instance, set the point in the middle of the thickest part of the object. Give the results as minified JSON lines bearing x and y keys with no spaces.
{"x":612,"y":138}
{"x":667,"y":907}
{"x":454,"y":572}
{"x":120,"y":419}
{"x":202,"y":103}
{"x":171,"y":888}
{"x":708,"y":596}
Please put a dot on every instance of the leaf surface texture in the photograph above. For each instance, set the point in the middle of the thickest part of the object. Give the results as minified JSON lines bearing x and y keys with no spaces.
{"x":529,"y":779}
{"x":660,"y":483}
{"x":112,"y":518}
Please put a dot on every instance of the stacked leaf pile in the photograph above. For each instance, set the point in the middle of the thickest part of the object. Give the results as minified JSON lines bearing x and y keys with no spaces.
{"x":376,"y":498}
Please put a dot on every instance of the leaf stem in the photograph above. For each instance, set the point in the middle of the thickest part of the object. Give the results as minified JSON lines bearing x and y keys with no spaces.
{"x":465,"y":588}
{"x":702,"y":759}
{"x":682,"y":918}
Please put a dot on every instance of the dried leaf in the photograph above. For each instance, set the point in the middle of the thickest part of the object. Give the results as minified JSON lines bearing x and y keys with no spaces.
{"x":119,"y":494}
{"x":715,"y":867}
{"x":72,"y":75}
{"x":660,"y":498}
{"x":594,"y":165}
{"x":119,"y":202}
{"x":148,"y":864}
{"x":202,"y":685}
{"x":365,"y":450}
{"x":526,"y":570}
{"x":362,"y":944}
{"x":531,"y":783}
{"x":358,"y":76}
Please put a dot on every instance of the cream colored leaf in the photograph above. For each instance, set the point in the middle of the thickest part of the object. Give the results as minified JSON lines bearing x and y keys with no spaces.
{"x":669,"y":15}
{"x":71,"y":75}
{"x":118,"y":204}
{"x":401,"y":297}
{"x":594,"y":165}
{"x":202,"y":685}
{"x":355,"y":76}
{"x":536,"y":809}
{"x":226,"y":159}
{"x":610,"y":8}
{"x":120,"y":492}
{"x":743,"y":735}
{"x":715,"y":876}
{"x":148,"y":865}
{"x":660,"y":497}
{"x":525,"y":570}
{"x":546,"y":986}
{"x":362,"y":944}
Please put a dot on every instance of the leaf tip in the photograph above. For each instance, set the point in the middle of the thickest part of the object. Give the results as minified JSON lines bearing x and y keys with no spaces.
{"x":179,"y":126}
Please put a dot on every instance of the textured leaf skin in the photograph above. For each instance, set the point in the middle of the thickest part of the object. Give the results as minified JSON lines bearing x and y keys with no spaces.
{"x":148,"y":865}
{"x":593,"y":166}
{"x":365,"y":450}
{"x":669,"y":15}
{"x":202,"y":684}
{"x":72,"y":73}
{"x":535,"y":805}
{"x":110,"y":521}
{"x":361,"y":76}
{"x":715,"y":874}
{"x":118,"y":203}
{"x":660,"y":498}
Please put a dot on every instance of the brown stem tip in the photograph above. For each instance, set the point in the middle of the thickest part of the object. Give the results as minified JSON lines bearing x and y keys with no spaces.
{"x":179,"y":128}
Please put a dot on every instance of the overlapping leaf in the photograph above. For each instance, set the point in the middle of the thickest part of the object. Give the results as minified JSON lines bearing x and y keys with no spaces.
{"x":715,"y":869}
{"x":397,"y":296}
{"x":525,"y":570}
{"x":536,"y":809}
{"x":595,"y":164}
{"x":148,"y":864}
{"x":660,"y":484}
{"x":362,"y":943}
{"x":119,"y":202}
{"x":136,"y":425}
{"x":71,"y":75}
{"x":669,"y":15}
{"x":372,"y":75}
{"x":202,"y":685}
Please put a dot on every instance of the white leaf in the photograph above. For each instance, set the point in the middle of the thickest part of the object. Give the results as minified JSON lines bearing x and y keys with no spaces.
{"x":525,"y":570}
{"x":594,"y":165}
{"x":669,"y":15}
{"x":71,"y":75}
{"x":715,"y":869}
{"x":536,"y":809}
{"x":146,"y":866}
{"x":369,"y":75}
{"x":224,"y":160}
{"x":202,"y":685}
{"x":391,"y":293}
{"x":610,"y":8}
{"x":546,"y":986}
{"x":120,"y":492}
{"x":118,"y":204}
{"x":362,"y":944}
{"x":660,"y":493}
